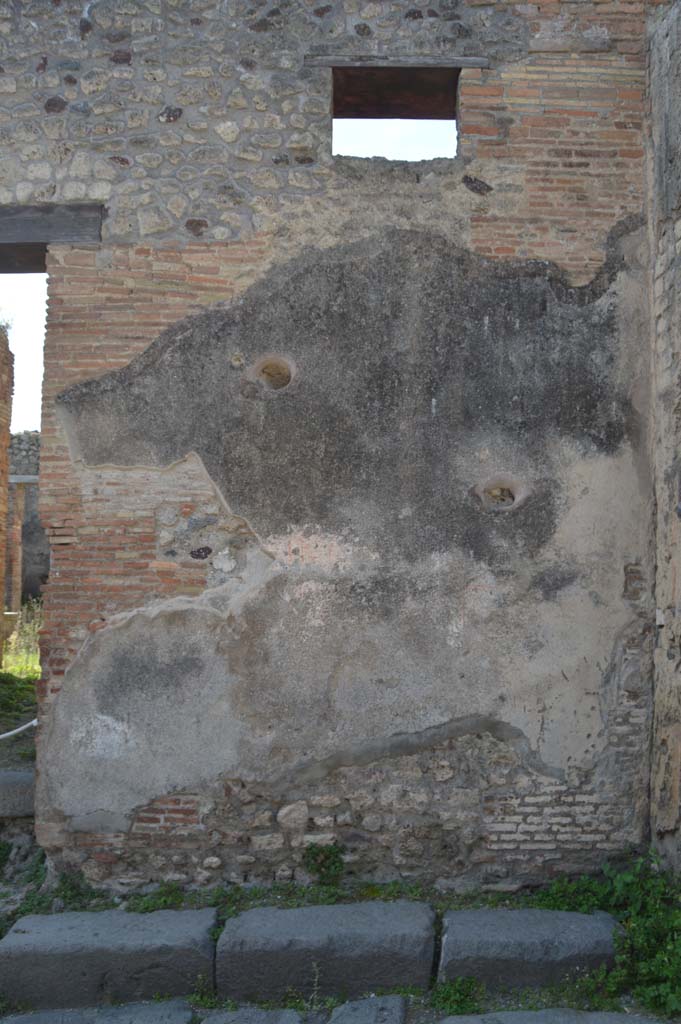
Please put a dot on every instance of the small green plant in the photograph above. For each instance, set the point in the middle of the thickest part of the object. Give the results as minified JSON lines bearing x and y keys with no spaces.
{"x":460,"y":996}
{"x":204,"y":997}
{"x":168,"y":896}
{"x":325,"y":863}
{"x":647,"y":901}
{"x":75,"y":893}
{"x":36,"y":871}
{"x":21,"y":656}
{"x":17,"y":704}
{"x":5,"y":1005}
{"x":72,"y":892}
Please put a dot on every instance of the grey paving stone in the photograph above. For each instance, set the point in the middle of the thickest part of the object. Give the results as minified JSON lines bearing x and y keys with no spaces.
{"x":379,"y":1010}
{"x":16,"y":794}
{"x":549,"y":1017}
{"x":253,"y":1015}
{"x":81,"y":959}
{"x":173,"y":1011}
{"x":523,"y":948}
{"x":339,"y":950}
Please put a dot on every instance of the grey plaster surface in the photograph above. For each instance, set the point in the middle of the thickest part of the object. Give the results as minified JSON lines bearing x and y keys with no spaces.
{"x":523,"y":948}
{"x":81,"y":959}
{"x":17,"y":790}
{"x":334,"y":950}
{"x":172,"y":1011}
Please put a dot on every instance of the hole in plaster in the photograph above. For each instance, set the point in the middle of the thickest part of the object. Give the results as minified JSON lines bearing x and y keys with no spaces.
{"x":500,"y":494}
{"x":274,"y":372}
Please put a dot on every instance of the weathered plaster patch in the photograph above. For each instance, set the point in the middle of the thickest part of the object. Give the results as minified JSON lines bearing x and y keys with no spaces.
{"x":351,"y":441}
{"x":310,"y":547}
{"x":359,"y":603}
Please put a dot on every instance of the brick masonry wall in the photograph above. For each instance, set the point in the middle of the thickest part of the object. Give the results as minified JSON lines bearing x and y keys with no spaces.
{"x":200,"y":205}
{"x":101,"y":565}
{"x":572,"y":127}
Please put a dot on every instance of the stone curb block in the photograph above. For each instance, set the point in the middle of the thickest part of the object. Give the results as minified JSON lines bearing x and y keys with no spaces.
{"x":347,"y":950}
{"x":524,"y":948}
{"x":380,"y":1010}
{"x":253,"y":1015}
{"x":549,"y":1017}
{"x":174,"y":1011}
{"x":16,"y":794}
{"x":81,"y":959}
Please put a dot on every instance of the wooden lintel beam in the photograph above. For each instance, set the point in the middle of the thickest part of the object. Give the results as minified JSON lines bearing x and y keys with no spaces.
{"x":51,"y":222}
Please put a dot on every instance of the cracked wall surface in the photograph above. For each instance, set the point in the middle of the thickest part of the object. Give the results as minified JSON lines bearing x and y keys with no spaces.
{"x":403,"y":601}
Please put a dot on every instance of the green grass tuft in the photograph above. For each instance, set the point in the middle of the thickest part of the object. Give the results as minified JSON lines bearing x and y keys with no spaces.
{"x":168,"y":896}
{"x":21,"y":656}
{"x":460,"y":996}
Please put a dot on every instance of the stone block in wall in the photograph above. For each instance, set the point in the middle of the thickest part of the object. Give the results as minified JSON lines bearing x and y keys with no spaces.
{"x":80,"y":959}
{"x":338,"y":950}
{"x":24,"y":453}
{"x":524,"y":948}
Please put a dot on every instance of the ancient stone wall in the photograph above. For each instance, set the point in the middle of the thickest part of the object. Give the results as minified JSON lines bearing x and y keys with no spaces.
{"x":405,"y":599}
{"x":35,"y":549}
{"x":13,"y":546}
{"x":24,"y":453}
{"x":665,"y":205}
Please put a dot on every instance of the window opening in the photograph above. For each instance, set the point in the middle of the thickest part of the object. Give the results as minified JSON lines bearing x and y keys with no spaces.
{"x":397,"y":113}
{"x":23,"y":301}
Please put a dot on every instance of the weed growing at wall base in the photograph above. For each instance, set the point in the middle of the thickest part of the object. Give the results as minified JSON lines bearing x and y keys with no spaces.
{"x":460,"y":996}
{"x":325,"y":863}
{"x":647,"y":902}
{"x":21,"y":656}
